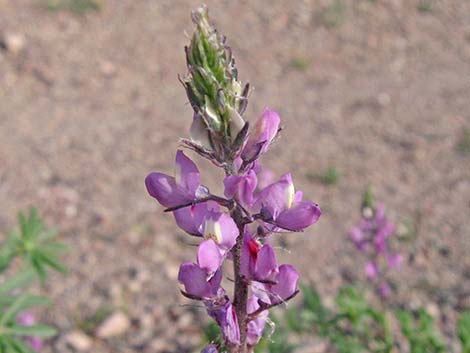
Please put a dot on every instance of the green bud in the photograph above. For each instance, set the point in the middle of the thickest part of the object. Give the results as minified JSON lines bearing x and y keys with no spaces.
{"x":368,"y":199}
{"x":211,"y":83}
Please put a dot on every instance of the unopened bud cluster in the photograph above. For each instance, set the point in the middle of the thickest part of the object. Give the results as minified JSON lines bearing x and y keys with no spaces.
{"x":217,"y":97}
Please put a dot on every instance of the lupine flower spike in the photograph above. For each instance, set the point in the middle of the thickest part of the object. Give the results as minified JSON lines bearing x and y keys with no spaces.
{"x":371,"y":237}
{"x":236,"y":227}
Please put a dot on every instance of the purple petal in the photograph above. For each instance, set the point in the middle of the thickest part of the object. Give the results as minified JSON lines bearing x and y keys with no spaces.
{"x":265,"y":130}
{"x":265,"y":178}
{"x":164,"y":189}
{"x":190,"y":218}
{"x":356,"y":235}
{"x":286,"y":286}
{"x":298,"y":217}
{"x":371,"y":270}
{"x":255,"y":327}
{"x":186,"y":174}
{"x":298,"y":196}
{"x":379,"y":214}
{"x":209,"y":256}
{"x":35,"y":343}
{"x":226,"y":318}
{"x":394,"y":260}
{"x":196,"y":282}
{"x":26,"y":318}
{"x":241,"y":187}
{"x":266,"y":265}
{"x":276,"y":197}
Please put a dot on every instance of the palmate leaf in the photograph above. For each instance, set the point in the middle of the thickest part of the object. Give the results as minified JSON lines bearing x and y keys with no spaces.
{"x":11,"y":332}
{"x":35,"y":244}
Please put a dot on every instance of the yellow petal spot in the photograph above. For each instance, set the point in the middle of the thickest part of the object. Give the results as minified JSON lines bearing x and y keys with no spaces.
{"x":290,"y":195}
{"x":212,"y":231}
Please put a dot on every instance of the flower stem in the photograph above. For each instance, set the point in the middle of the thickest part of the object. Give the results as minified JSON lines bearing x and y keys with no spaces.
{"x":241,"y":287}
{"x":240,"y":297}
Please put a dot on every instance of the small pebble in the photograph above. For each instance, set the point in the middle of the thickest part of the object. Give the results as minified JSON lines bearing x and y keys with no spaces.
{"x":79,"y":341}
{"x":13,"y":42}
{"x":115,"y":325}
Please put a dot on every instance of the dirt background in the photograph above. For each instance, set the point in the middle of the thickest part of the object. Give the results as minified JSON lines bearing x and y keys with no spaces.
{"x":90,"y":104}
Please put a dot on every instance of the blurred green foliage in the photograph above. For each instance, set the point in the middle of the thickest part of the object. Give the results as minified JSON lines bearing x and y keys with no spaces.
{"x":419,"y":330}
{"x":90,"y":323}
{"x":328,"y":177}
{"x":424,"y":6}
{"x":298,"y":63}
{"x":333,"y":14}
{"x":77,"y":6}
{"x":35,"y":246}
{"x":463,"y":330}
{"x":463,"y":145}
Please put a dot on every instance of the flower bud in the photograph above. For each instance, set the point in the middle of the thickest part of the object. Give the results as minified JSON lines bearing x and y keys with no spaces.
{"x":211,"y":84}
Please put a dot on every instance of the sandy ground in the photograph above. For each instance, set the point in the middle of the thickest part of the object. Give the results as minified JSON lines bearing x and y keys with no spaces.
{"x":90,"y":104}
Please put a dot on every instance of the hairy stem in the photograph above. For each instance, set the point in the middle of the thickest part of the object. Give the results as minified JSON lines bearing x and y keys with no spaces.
{"x":240,"y":297}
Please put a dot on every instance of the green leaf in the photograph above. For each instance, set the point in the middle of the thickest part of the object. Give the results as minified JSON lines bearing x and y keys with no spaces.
{"x":17,"y":345}
{"x":20,"y":280}
{"x":406,"y":322}
{"x":48,"y":258}
{"x":351,"y":303}
{"x":420,"y":332}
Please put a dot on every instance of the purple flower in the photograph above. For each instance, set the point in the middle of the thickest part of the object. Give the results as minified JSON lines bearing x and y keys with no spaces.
{"x":226,"y":317}
{"x":197,"y":282}
{"x":265,"y":130}
{"x":286,"y":283}
{"x":220,"y":232}
{"x":284,"y":208}
{"x":258,"y":262}
{"x":241,"y":187}
{"x":178,"y":190}
{"x":28,"y":319}
{"x":256,"y":326}
{"x":285,"y":286}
